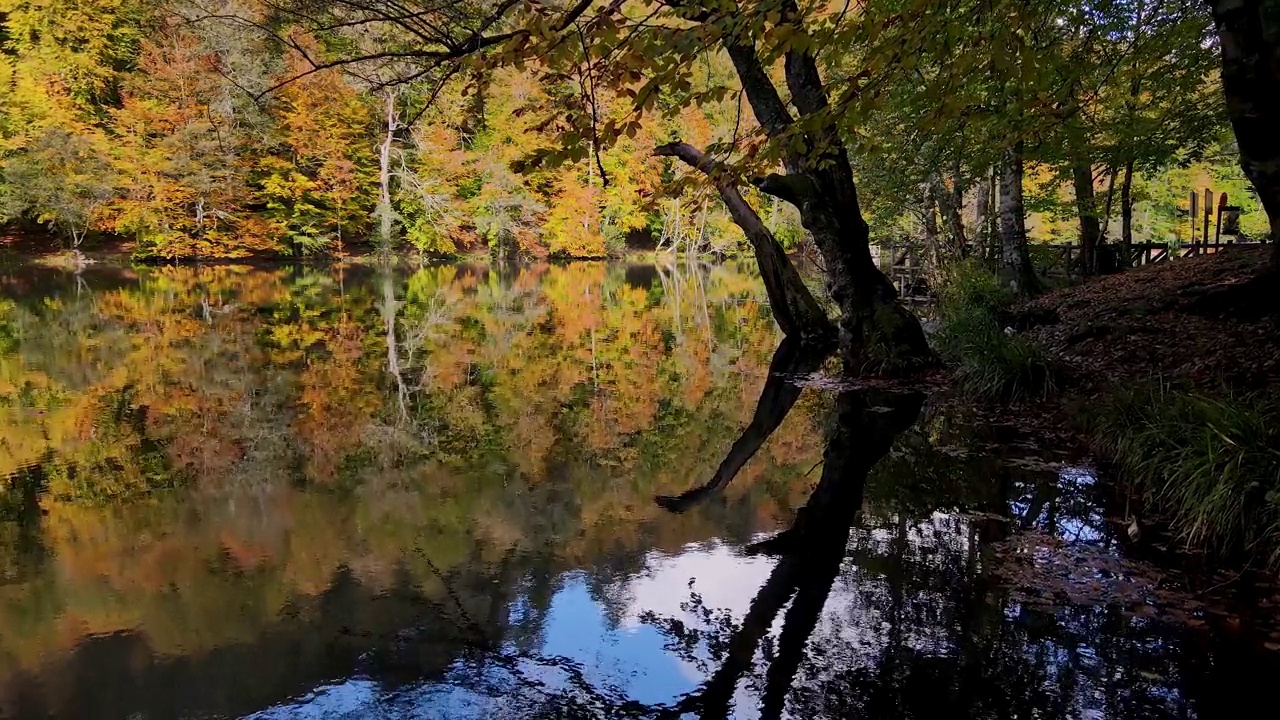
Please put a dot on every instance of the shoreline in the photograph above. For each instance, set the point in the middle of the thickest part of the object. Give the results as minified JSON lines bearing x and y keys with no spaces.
{"x":1116,"y":337}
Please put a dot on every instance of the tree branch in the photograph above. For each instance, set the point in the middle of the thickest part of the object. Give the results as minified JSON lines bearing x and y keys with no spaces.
{"x":794,"y":307}
{"x":450,"y":50}
{"x":766,"y":103}
{"x":689,"y":154}
{"x":807,"y":91}
{"x":791,"y":188}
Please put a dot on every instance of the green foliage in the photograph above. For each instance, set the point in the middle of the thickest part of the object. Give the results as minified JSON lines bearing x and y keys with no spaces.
{"x":1209,"y":464}
{"x":120,"y":462}
{"x":60,"y":179}
{"x":83,"y":47}
{"x":422,"y":230}
{"x":990,"y":362}
{"x":970,"y":285}
{"x":1162,"y":216}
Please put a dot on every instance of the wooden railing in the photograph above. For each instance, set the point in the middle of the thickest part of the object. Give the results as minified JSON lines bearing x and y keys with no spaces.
{"x":904,"y":264}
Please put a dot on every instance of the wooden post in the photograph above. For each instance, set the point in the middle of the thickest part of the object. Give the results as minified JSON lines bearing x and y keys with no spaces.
{"x":1208,"y":211}
{"x":1222,"y":206}
{"x":1194,"y":214}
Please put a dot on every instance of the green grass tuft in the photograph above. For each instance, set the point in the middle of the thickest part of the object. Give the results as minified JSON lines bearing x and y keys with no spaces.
{"x":1209,"y":465}
{"x":990,"y":363}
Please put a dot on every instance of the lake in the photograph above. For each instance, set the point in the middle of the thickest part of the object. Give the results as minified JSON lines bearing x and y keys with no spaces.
{"x":562,"y":491}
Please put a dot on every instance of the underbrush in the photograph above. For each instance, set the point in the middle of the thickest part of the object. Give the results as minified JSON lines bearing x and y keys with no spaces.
{"x":1208,"y":465}
{"x":990,"y":363}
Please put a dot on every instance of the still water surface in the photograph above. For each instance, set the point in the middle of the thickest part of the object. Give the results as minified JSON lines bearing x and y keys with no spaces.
{"x":344,"y":493}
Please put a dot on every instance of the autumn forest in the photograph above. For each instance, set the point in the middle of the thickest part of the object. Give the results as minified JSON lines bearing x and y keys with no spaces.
{"x":639,"y":358}
{"x":241,"y":129}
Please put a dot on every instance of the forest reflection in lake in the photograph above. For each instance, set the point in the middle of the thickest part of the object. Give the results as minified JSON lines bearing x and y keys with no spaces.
{"x":348,"y":493}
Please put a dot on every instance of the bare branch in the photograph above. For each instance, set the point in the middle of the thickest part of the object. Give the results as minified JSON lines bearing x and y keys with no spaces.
{"x":447,"y":49}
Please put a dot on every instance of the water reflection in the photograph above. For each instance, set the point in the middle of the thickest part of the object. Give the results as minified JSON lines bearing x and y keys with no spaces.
{"x":348,"y":493}
{"x":811,"y":551}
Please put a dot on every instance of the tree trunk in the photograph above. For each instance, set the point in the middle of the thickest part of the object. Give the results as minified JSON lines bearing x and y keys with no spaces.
{"x":386,"y":215}
{"x":795,"y":309}
{"x":982,"y":215}
{"x":1087,"y":210}
{"x":1015,"y":260}
{"x":876,"y":332}
{"x":1126,"y":215}
{"x":1108,"y":205}
{"x":931,"y":232}
{"x":1249,"y":37}
{"x":949,"y":203}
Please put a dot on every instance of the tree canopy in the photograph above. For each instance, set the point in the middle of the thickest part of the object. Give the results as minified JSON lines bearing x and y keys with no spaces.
{"x":964,"y":127}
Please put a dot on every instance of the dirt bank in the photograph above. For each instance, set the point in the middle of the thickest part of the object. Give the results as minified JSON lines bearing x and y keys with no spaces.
{"x":1185,"y":320}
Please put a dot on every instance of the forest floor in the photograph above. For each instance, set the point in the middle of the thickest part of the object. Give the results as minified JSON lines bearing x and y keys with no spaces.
{"x":1197,"y":321}
{"x":1182,"y":322}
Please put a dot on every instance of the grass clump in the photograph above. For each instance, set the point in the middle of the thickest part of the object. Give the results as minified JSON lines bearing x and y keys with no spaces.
{"x":1208,"y":465}
{"x":990,"y":362}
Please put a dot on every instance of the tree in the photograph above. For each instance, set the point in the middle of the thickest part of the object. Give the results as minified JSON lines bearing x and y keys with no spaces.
{"x":1162,"y":101}
{"x":616,"y":41}
{"x":187,"y":152}
{"x":1249,"y":42}
{"x":61,"y":179}
{"x":317,"y":185}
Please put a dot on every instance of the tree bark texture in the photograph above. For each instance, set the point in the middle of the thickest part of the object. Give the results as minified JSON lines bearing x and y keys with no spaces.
{"x":982,"y":215}
{"x":932,"y":242}
{"x":386,"y":216}
{"x":1108,"y":205}
{"x":949,"y":201}
{"x":1249,"y":38}
{"x":1087,"y":210}
{"x":1015,"y":260}
{"x":1126,"y":214}
{"x":876,"y":332}
{"x":951,"y":204}
{"x":795,"y":309}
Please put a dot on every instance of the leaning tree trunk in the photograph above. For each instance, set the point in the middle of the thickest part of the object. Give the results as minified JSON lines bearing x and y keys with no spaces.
{"x":1249,"y":37}
{"x":876,"y":332}
{"x":796,"y":311}
{"x":1015,"y":259}
{"x":1086,"y":208}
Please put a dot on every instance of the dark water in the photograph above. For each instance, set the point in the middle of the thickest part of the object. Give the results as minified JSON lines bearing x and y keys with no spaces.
{"x":342,"y":493}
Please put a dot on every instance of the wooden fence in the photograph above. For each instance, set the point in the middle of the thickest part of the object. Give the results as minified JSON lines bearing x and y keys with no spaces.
{"x":905,"y":266}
